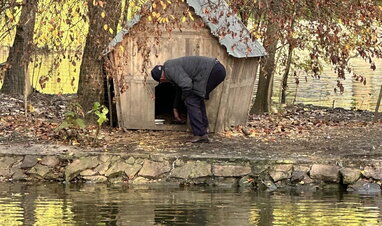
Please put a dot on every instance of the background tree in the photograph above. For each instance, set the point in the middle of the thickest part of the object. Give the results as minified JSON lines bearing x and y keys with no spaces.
{"x":19,"y":55}
{"x":320,"y":28}
{"x":103,"y":19}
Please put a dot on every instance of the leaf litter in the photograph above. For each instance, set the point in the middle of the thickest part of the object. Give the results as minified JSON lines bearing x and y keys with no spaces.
{"x":298,"y":128}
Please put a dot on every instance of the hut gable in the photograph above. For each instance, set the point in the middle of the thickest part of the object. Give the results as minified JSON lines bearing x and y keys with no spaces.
{"x":221,"y":21}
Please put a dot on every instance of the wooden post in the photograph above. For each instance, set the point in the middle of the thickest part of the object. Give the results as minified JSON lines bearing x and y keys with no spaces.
{"x":377,"y":106}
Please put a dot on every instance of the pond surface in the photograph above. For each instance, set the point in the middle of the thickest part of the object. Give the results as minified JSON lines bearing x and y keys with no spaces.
{"x":58,"y":204}
{"x":320,"y":91}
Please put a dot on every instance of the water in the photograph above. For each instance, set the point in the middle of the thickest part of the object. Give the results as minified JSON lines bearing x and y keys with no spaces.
{"x":58,"y":204}
{"x":321,"y":92}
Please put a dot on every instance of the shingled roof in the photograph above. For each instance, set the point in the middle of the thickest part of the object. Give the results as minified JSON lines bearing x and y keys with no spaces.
{"x":223,"y":24}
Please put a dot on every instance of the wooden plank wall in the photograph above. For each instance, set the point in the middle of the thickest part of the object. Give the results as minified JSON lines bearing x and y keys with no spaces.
{"x":228,"y":104}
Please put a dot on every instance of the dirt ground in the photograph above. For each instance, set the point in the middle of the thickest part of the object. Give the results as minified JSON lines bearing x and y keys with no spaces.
{"x":299,"y":132}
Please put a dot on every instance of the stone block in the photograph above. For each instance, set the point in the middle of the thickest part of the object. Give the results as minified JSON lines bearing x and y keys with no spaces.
{"x":130,"y":160}
{"x":140,"y":180}
{"x":19,"y":175}
{"x":79,"y":165}
{"x":157,"y":158}
{"x":133,"y":170}
{"x":281,"y":172}
{"x":29,"y":161}
{"x":192,"y":169}
{"x":95,"y":179}
{"x":117,"y":169}
{"x":325,"y":173}
{"x":51,"y":161}
{"x":88,"y":172}
{"x":117,"y":180}
{"x":7,"y":162}
{"x":39,"y":171}
{"x":364,"y":187}
{"x":230,"y":170}
{"x":154,"y":169}
{"x":374,"y":172}
{"x":246,"y":182}
{"x":102,"y":168}
{"x":298,"y":176}
{"x":301,"y":168}
{"x":104,"y":158}
{"x":350,"y":175}
{"x":5,"y":172}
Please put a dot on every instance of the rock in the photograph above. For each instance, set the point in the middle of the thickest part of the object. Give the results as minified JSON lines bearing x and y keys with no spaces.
{"x":130,"y":160}
{"x":7,"y":162}
{"x":102,"y":168}
{"x":79,"y":165}
{"x":307,"y":180}
{"x":19,"y":175}
{"x":133,"y":170}
{"x":281,"y":172}
{"x":178,"y":162}
{"x":270,"y":186}
{"x":39,"y":171}
{"x":54,"y":175}
{"x":246,"y":182}
{"x":95,"y":179}
{"x":301,"y":168}
{"x":104,"y":158}
{"x":157,"y":158}
{"x":298,"y":176}
{"x":117,"y":180}
{"x":117,"y":169}
{"x":5,"y":165}
{"x":374,"y":172}
{"x":115,"y":158}
{"x":350,"y":175}
{"x":192,"y":169}
{"x":325,"y":173}
{"x":154,"y":169}
{"x":140,"y":180}
{"x":139,"y":161}
{"x":88,"y":172}
{"x":283,"y":183}
{"x":51,"y":161}
{"x":364,"y":187}
{"x":230,"y":170}
{"x":29,"y":161}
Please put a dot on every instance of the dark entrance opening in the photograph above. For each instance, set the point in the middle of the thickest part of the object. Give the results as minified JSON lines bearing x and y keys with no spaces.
{"x":165,"y":101}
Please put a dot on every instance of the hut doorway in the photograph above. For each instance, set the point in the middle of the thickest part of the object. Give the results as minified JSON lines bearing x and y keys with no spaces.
{"x":166,"y":100}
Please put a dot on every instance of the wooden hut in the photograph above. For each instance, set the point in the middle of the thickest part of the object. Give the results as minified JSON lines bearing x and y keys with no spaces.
{"x":166,"y":30}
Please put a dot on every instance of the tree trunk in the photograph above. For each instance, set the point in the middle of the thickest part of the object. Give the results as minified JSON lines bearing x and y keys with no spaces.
{"x":91,"y":88}
{"x":286,"y":75}
{"x":267,"y":66}
{"x":20,"y":52}
{"x":377,"y":105}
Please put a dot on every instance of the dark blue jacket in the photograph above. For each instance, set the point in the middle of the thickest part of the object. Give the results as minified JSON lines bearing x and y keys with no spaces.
{"x":190,"y":73}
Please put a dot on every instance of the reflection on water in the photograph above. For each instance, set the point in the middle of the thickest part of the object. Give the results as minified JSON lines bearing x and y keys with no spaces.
{"x":57,"y":204}
{"x":321,"y":91}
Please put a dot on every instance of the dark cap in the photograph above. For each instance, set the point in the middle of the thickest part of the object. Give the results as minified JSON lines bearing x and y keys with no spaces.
{"x":156,"y":72}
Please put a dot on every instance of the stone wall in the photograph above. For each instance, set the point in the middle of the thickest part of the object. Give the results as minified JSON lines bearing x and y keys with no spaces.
{"x":156,"y":169}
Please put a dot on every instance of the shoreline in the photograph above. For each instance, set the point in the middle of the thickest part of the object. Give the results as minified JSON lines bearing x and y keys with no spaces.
{"x":68,"y":164}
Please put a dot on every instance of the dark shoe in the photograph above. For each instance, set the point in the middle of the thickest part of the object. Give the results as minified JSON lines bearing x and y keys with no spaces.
{"x":200,"y":139}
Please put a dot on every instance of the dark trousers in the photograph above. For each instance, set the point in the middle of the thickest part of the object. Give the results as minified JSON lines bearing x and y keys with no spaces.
{"x":196,"y":107}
